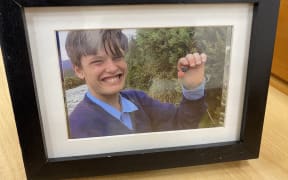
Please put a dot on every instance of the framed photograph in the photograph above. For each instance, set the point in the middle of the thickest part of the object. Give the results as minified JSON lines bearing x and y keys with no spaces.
{"x":102,"y":87}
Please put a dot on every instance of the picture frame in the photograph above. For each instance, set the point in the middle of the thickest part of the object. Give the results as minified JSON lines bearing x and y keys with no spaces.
{"x":17,"y":51}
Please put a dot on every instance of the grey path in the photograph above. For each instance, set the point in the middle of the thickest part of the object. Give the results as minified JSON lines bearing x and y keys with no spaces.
{"x":74,"y":96}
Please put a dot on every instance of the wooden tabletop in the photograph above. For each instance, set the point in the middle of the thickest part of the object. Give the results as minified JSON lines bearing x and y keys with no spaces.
{"x":272,"y":163}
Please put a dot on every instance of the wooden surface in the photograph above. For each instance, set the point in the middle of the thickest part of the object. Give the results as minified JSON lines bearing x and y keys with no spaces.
{"x":279,"y":84}
{"x":272,"y":164}
{"x":11,"y":165}
{"x":280,"y":58}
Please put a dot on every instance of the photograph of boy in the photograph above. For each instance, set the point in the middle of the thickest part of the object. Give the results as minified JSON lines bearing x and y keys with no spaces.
{"x":98,"y":58}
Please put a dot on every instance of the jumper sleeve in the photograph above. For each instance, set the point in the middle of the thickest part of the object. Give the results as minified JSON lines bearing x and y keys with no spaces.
{"x":189,"y":113}
{"x":166,"y":116}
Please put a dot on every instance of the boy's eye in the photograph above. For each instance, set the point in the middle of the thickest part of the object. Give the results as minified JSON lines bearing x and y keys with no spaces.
{"x":96,"y":62}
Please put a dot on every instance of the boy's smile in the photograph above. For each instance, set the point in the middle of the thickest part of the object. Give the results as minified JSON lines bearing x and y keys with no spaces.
{"x":113,"y":79}
{"x":104,"y":74}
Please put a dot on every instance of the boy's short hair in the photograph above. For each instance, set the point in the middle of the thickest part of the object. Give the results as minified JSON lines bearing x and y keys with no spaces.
{"x":88,"y":42}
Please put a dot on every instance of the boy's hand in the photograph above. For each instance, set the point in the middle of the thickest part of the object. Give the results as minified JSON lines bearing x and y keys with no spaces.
{"x":193,"y":66}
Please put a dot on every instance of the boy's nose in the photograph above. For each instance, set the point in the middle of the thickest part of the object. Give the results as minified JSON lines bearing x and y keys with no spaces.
{"x":111,"y":66}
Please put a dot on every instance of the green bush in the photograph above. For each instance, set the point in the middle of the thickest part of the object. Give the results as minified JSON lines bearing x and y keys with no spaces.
{"x":166,"y":90}
{"x":71,"y":82}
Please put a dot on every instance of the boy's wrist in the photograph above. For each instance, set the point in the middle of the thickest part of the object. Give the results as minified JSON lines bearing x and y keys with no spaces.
{"x":194,"y":93}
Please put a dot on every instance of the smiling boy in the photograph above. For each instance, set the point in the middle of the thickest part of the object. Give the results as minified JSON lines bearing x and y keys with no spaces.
{"x":98,"y":58}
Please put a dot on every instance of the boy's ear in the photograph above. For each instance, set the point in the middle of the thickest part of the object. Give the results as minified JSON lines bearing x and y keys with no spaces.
{"x":78,"y":71}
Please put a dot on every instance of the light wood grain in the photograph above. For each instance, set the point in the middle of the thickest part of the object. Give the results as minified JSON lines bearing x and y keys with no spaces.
{"x":11,"y":165}
{"x":272,"y":163}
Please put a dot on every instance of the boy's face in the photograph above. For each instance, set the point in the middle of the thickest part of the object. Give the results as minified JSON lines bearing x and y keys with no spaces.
{"x":104,"y":75}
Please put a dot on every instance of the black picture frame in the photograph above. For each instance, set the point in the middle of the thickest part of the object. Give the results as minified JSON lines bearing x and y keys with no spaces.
{"x":17,"y":59}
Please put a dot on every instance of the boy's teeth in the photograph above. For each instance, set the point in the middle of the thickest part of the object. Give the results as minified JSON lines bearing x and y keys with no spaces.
{"x":112,"y":80}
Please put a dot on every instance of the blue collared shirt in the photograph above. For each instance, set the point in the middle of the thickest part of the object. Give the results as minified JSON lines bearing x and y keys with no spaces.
{"x":128,"y":107}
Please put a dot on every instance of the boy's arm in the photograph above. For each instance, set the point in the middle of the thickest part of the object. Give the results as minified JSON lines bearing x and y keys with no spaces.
{"x":191,"y":73}
{"x":168,"y":117}
{"x":165,"y":116}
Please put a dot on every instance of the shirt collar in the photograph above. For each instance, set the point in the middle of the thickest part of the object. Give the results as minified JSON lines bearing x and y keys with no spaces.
{"x":127,"y":106}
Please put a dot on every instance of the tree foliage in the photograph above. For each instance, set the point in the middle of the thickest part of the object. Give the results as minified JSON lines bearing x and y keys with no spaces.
{"x":158,"y":50}
{"x":213,"y":41}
